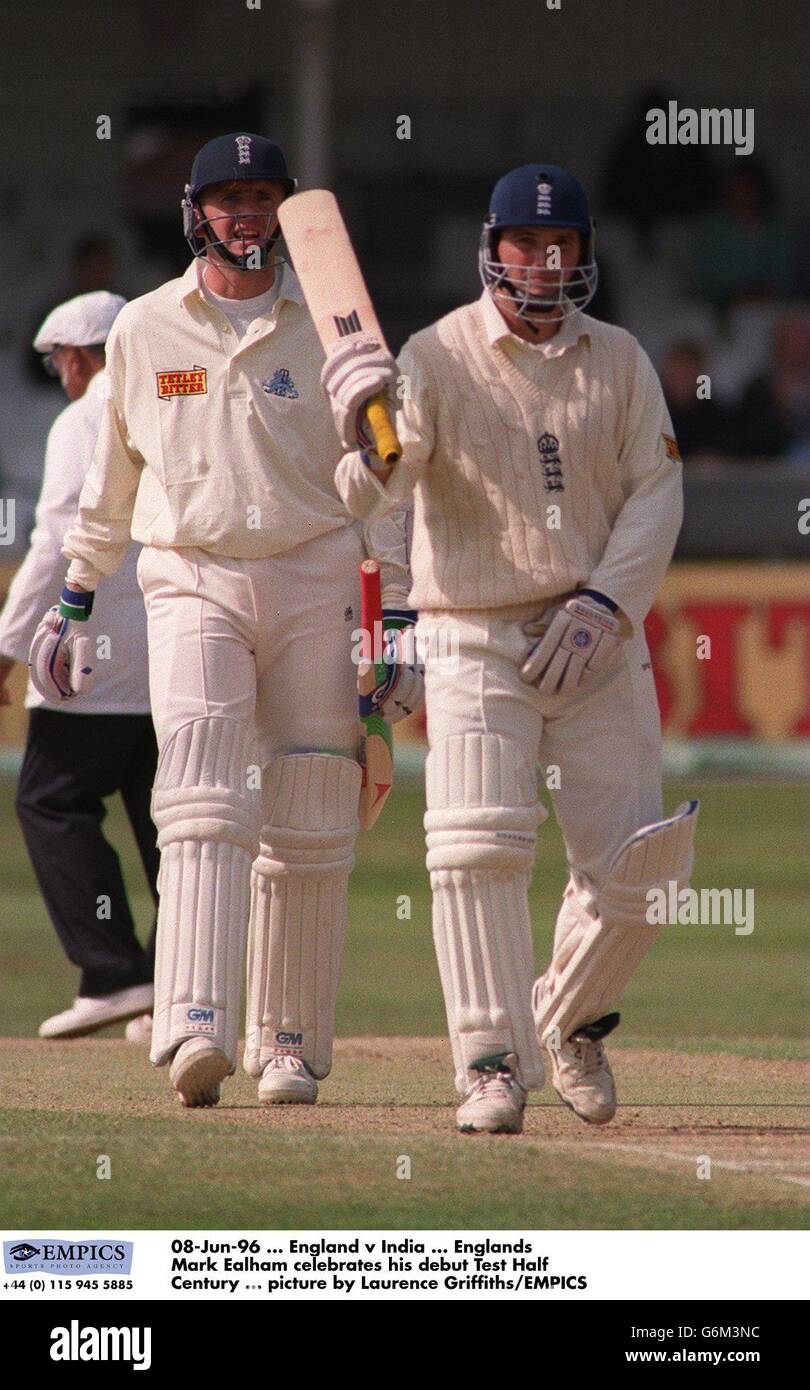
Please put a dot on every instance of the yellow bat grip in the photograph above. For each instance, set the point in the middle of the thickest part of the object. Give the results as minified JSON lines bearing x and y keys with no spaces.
{"x":385,"y":436}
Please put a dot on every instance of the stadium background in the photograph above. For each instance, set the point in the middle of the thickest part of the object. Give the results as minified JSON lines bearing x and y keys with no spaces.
{"x":483,"y":91}
{"x":713,"y":1018}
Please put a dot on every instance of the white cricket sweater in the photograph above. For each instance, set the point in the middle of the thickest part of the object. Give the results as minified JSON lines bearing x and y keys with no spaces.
{"x":537,"y":470}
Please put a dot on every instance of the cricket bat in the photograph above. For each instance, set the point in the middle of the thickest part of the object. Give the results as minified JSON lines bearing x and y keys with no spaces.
{"x":376,"y":742}
{"x":336,"y":295}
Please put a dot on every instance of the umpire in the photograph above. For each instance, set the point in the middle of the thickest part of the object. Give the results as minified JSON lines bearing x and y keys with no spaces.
{"x":74,"y":760}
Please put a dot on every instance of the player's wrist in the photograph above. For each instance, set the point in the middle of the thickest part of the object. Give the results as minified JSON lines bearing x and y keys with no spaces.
{"x":398,"y":618}
{"x":599,"y":597}
{"x":76,"y":604}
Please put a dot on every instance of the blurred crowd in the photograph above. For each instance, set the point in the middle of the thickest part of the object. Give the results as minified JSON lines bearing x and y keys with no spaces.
{"x":697,"y":258}
{"x":706,"y":268}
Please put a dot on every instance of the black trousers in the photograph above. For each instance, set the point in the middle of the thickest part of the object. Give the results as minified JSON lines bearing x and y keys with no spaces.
{"x":73,"y":761}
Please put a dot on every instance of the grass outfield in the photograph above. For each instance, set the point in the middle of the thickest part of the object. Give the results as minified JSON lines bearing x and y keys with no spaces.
{"x":706,"y":1060}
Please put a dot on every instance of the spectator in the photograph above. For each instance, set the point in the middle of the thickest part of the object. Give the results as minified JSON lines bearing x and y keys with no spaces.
{"x":746,"y":247}
{"x":647,"y":183}
{"x":702,"y":426}
{"x":773,"y":417}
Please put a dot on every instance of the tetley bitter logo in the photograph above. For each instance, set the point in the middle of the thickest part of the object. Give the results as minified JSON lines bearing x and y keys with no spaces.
{"x":549,"y":446}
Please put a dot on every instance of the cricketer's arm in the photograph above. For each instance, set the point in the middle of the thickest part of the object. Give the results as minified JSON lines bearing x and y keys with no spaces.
{"x":361,"y":491}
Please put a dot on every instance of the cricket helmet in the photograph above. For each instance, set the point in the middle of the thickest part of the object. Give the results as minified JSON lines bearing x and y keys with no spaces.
{"x":538,"y":195}
{"x":228,"y":159}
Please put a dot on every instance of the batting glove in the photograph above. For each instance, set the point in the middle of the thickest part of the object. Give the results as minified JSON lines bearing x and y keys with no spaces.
{"x":60,"y":660}
{"x":403,"y":690}
{"x":579,"y":640}
{"x":353,"y":372}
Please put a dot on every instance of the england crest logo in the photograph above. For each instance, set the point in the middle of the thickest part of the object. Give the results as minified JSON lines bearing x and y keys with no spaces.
{"x":281,"y":384}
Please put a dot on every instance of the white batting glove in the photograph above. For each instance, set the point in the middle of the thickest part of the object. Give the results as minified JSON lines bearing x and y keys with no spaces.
{"x":353,"y":372}
{"x":404,"y":688}
{"x":579,"y":641}
{"x":60,"y":659}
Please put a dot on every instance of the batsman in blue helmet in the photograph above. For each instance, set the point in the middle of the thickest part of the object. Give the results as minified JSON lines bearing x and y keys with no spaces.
{"x":217,"y":454}
{"x":536,"y":255}
{"x":547,"y":501}
{"x":225,"y":227}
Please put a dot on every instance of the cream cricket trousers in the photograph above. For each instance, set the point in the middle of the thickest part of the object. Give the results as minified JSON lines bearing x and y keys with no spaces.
{"x":253,"y":697}
{"x":600,"y":752}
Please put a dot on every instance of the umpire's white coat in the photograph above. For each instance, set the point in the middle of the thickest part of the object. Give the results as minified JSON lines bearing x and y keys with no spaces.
{"x":122,"y":683}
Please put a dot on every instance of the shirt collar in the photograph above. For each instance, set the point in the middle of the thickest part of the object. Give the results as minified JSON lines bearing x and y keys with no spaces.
{"x":497,"y":330}
{"x":189,"y":283}
{"x":98,"y":385}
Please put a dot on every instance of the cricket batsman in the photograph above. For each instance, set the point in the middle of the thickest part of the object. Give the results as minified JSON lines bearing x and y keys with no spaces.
{"x":217,"y":453}
{"x":548,"y":498}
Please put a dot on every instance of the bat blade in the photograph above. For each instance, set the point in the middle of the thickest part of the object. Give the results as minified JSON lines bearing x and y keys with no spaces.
{"x":336,"y":293}
{"x":327,"y":267}
{"x":376,"y":742}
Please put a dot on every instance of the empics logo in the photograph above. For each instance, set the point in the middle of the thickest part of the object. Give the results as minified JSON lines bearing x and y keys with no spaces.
{"x":23,"y":1252}
{"x":75,"y":1343}
{"x":54,"y":1256}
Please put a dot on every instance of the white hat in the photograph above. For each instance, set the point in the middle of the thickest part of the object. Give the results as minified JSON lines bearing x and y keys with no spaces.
{"x":81,"y":322}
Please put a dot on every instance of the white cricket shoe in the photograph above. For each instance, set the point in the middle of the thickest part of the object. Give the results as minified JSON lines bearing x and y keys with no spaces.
{"x":581,"y":1074}
{"x":495,"y":1102}
{"x":196,"y":1071}
{"x":287,"y":1081}
{"x":87,"y":1015}
{"x":139,"y":1030}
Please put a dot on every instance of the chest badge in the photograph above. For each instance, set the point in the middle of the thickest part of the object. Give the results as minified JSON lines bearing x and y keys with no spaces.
{"x":548,"y":446}
{"x":182,"y":383}
{"x":281,"y":384}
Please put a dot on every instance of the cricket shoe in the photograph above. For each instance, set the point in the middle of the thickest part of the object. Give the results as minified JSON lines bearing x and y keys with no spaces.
{"x":139,"y":1030}
{"x":581,"y":1075}
{"x":287,"y":1081}
{"x":496,"y":1100}
{"x":87,"y":1014}
{"x":196,"y":1071}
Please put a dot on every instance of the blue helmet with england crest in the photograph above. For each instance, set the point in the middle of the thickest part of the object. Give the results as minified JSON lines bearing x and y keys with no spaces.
{"x":230,"y":159}
{"x":539,"y":196}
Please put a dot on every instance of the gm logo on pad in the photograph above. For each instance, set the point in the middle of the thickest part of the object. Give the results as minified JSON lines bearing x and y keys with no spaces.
{"x":201,"y":1020}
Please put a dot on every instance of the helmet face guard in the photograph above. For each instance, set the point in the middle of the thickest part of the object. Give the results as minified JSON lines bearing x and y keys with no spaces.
{"x":201,"y":234}
{"x":542,"y":197}
{"x":537,"y":293}
{"x":229,"y":159}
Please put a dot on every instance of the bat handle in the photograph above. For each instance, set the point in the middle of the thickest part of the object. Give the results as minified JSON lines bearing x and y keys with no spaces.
{"x":385,"y":436}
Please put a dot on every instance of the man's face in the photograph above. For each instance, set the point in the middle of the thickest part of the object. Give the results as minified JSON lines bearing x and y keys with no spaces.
{"x":70,"y":364}
{"x":243,"y":213}
{"x":539,"y":256}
